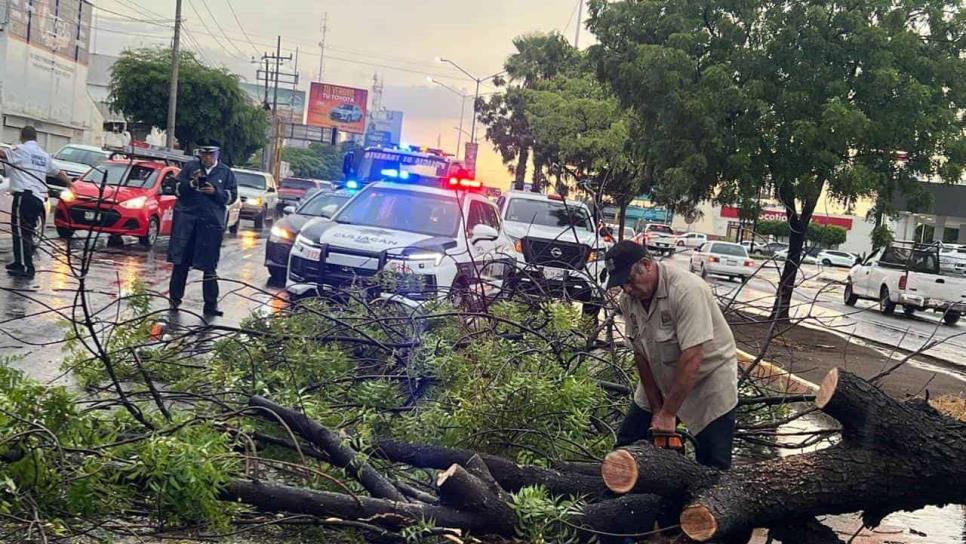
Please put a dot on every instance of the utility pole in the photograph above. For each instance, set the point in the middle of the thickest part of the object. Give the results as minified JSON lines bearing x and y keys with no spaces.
{"x":325,"y":28}
{"x":580,"y":18}
{"x":173,"y":89}
{"x":278,"y":61}
{"x":272,"y":156}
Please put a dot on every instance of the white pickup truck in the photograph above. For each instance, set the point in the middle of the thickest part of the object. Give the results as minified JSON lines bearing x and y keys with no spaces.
{"x":907,"y":274}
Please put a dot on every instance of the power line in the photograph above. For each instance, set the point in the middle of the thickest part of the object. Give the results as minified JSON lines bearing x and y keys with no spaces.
{"x":220,"y":29}
{"x":217,"y":41}
{"x":119,"y":14}
{"x":139,"y":6}
{"x":238,"y":22}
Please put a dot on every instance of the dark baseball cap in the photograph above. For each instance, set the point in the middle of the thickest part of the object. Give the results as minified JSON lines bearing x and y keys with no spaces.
{"x":620,"y":259}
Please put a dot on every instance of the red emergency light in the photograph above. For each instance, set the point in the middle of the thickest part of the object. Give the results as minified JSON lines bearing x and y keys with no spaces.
{"x":455,"y":182}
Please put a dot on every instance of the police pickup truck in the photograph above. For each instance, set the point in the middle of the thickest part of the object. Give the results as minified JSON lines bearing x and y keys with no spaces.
{"x":558,"y":248}
{"x":417,"y":241}
{"x":907,"y":274}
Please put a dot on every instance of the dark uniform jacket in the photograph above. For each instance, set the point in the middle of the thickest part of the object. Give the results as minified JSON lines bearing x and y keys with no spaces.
{"x":199,"y":219}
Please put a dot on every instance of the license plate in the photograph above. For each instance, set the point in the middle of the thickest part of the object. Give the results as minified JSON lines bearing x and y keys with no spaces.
{"x":732,"y":263}
{"x":308,"y":253}
{"x":554,"y":273}
{"x":90,"y":216}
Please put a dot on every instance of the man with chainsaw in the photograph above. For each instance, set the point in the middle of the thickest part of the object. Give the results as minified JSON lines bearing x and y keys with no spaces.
{"x":684,"y":352}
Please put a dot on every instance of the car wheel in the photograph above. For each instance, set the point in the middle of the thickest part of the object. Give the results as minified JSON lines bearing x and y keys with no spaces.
{"x":152,"y":236}
{"x":65,"y":233}
{"x":704,"y":272}
{"x":826,"y":262}
{"x":886,"y":306}
{"x":908,"y":311}
{"x":951,"y":318}
{"x":277,"y":274}
{"x":850,"y":297}
{"x":260,"y":220}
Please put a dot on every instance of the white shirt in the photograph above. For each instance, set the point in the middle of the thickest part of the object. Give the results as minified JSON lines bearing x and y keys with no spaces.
{"x":208,"y":170}
{"x":30,"y":157}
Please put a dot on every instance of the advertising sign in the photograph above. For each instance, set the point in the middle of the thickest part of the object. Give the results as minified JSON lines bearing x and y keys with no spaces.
{"x":291,"y":104}
{"x":384,"y":128}
{"x":294,"y":131}
{"x":469,"y":157}
{"x":343,"y":108}
{"x":731,"y":212}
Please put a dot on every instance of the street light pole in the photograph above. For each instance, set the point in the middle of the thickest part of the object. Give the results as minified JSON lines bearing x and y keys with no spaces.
{"x":476,"y":97}
{"x":463,"y":97}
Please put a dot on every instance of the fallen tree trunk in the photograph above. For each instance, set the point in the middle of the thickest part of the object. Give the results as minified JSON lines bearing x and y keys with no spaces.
{"x":630,"y":515}
{"x":510,"y":475}
{"x":893,"y":456}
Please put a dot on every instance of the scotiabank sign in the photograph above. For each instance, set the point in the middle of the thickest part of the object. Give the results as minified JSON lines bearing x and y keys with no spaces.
{"x":780,"y":215}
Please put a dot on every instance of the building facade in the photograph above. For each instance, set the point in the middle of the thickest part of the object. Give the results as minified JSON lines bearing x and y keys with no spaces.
{"x":44,"y":55}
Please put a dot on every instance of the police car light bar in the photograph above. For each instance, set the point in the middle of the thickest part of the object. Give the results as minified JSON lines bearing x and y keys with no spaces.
{"x":395,"y":174}
{"x":465,"y":183}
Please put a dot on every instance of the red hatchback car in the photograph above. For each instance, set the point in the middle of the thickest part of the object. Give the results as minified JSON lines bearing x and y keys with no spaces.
{"x":138,"y":200}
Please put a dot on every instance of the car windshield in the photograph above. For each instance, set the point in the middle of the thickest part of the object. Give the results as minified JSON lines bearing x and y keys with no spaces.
{"x":547,"y":213}
{"x":729,"y":249}
{"x":142,"y":177}
{"x":663,"y":229}
{"x":293,"y":183}
{"x":248,"y":179}
{"x":323,"y":205}
{"x":409,"y":211}
{"x":79,"y":155}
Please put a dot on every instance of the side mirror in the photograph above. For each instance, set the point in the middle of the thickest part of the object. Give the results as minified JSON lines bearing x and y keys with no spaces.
{"x":288,"y":210}
{"x":483,"y":232}
{"x":270,"y":189}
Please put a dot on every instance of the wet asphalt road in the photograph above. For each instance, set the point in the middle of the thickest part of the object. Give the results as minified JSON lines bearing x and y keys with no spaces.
{"x":33,"y":312}
{"x":820,"y":299}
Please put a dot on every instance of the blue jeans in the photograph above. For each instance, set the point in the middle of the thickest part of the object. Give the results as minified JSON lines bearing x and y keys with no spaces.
{"x":714,"y":442}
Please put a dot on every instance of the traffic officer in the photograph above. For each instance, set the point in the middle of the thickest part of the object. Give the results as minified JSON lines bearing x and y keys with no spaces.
{"x":683,"y":350}
{"x":204,"y":188}
{"x":29,"y":167}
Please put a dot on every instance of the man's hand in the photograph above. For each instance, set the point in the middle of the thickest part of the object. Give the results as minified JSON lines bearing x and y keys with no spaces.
{"x":664,"y":422}
{"x":207,"y":189}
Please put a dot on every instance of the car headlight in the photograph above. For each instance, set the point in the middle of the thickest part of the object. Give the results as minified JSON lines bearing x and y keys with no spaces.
{"x":434,"y":257}
{"x":257,"y":201}
{"x":596,"y":255}
{"x":281,"y":233}
{"x":135,"y":203}
{"x":67,"y":196}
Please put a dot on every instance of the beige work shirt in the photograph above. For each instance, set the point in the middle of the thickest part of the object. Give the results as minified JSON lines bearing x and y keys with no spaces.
{"x":684,"y":314}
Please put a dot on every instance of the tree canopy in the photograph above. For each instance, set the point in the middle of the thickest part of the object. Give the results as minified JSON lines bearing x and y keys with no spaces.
{"x":211,"y":105}
{"x":319,"y":161}
{"x":797,"y":97}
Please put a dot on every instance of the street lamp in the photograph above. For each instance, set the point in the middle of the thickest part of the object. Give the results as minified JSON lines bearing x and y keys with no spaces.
{"x":478,"y":81}
{"x":463,"y":97}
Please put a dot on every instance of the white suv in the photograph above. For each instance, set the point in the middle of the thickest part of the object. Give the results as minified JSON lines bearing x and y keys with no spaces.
{"x":558,"y":249}
{"x":417,"y":242}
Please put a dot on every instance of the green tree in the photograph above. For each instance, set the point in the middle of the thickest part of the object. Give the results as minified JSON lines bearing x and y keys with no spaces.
{"x":799,"y":98}
{"x":538,"y":57}
{"x":319,"y":161}
{"x":210,"y":103}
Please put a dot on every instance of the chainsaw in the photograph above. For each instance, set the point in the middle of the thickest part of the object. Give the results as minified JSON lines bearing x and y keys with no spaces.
{"x":674,"y":440}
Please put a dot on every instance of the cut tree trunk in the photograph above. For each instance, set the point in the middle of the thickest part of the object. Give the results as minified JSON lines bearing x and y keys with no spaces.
{"x":893,"y":456}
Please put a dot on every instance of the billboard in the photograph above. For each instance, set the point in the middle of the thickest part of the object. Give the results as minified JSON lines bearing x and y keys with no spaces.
{"x":384,"y":128}
{"x":334,"y":106}
{"x":291,"y":104}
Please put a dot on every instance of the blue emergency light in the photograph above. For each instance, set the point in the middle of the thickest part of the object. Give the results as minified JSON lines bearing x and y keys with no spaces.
{"x":395,"y":174}
{"x":352,"y":184}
